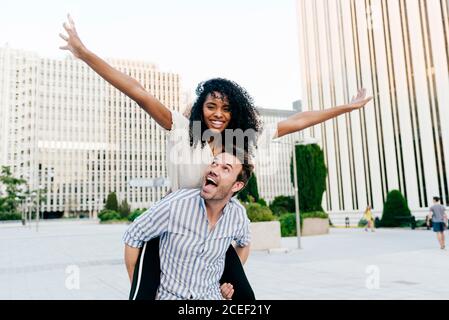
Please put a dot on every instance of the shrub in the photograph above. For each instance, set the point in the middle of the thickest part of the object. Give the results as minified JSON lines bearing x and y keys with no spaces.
{"x":10,"y":216}
{"x":313,"y":214}
{"x":250,"y":190}
{"x":377,"y":223}
{"x":421,"y":224}
{"x":124,"y":209}
{"x":262,"y":202}
{"x":135,"y":214}
{"x":282,"y":205}
{"x":288,"y":221}
{"x":312,"y":173}
{"x":111,"y":202}
{"x":362,"y":223}
{"x":395,"y":206}
{"x":288,"y":224}
{"x":109,"y":215}
{"x":259,"y":213}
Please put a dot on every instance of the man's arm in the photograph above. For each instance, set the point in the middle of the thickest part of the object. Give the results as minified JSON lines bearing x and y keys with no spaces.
{"x":131,"y":257}
{"x":445,"y":218}
{"x":243,"y":253}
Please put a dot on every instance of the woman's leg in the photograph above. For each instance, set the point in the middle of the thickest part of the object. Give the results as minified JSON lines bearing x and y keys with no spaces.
{"x":234,"y":274}
{"x":147,"y":273}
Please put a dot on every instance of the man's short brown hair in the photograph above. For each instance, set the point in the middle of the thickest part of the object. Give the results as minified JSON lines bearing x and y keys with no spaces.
{"x":247,"y":165}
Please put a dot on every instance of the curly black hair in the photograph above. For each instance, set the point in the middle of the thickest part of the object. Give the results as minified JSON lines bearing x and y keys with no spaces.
{"x":244,"y":114}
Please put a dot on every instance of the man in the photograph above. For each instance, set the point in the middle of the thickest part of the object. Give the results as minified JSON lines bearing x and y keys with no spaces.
{"x":196,"y":227}
{"x":439,"y":221}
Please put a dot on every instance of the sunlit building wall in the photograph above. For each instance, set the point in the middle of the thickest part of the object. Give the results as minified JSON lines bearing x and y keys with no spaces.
{"x":398,"y":50}
{"x":65,"y":129}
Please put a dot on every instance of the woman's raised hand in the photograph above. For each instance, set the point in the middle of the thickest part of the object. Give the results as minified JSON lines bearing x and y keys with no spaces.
{"x":73,"y":42}
{"x":360,"y":100}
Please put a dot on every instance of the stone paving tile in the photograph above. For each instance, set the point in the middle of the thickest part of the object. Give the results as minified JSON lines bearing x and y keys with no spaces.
{"x":336,"y":266}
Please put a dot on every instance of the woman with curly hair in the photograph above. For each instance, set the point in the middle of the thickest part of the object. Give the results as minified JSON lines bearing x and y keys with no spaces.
{"x":222,"y":106}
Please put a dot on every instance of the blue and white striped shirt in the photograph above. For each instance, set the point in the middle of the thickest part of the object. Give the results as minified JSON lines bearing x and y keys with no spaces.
{"x":192,"y":256}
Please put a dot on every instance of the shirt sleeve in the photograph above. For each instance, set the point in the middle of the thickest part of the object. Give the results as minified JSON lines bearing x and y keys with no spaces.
{"x":180,"y":124}
{"x":243,"y":239}
{"x":151,"y":224}
{"x":268,"y":133}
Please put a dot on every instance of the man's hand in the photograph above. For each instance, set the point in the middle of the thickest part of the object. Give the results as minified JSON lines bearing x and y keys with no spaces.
{"x":74,"y":44}
{"x":227,"y":291}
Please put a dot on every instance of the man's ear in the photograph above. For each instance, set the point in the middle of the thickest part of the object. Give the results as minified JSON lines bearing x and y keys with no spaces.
{"x":238,"y":185}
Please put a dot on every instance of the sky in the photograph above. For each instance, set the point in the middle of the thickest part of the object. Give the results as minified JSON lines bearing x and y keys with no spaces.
{"x":252,"y":42}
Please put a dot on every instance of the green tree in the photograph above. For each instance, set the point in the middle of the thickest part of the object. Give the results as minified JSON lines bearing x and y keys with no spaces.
{"x":283,"y":204}
{"x":10,"y":202}
{"x":395,"y":206}
{"x":251,"y":190}
{"x":124,"y":209}
{"x":312,"y":173}
{"x":112,"y":202}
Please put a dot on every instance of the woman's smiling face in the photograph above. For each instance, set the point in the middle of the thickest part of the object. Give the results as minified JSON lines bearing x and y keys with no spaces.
{"x":217,"y":112}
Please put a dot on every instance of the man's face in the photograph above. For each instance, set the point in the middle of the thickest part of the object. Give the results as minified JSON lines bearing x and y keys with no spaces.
{"x":220,"y":179}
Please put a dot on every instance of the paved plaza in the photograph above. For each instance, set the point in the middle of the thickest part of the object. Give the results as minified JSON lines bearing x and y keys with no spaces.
{"x":346,"y":264}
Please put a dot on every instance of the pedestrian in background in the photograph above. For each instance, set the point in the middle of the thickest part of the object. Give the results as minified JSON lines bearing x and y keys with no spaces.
{"x":368,"y":216}
{"x":439,"y":221}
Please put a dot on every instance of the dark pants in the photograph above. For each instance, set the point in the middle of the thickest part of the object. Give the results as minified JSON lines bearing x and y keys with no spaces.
{"x":147,"y":274}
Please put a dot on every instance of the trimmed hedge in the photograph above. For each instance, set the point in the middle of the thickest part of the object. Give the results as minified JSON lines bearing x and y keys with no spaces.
{"x":10,"y":216}
{"x":395,"y":206}
{"x":135,"y":214}
{"x":109,"y":215}
{"x":363,"y":223}
{"x":251,"y":192}
{"x":288,"y":225}
{"x":258,"y":213}
{"x":312,"y":173}
{"x":288,"y":221}
{"x":282,"y":204}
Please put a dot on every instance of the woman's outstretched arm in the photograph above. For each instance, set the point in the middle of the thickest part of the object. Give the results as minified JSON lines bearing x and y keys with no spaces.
{"x":304,"y":120}
{"x":126,"y":84}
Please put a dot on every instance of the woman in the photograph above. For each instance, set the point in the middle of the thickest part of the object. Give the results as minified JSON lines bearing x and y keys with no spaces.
{"x":368,"y":216}
{"x":221,"y":105}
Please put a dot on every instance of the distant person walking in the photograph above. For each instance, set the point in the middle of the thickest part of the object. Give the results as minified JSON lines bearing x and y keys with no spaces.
{"x":368,"y":216}
{"x":439,"y":221}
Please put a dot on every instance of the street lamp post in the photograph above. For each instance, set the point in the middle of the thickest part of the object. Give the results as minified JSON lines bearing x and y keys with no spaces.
{"x":298,"y":221}
{"x":38,"y":213}
{"x":295,"y":183}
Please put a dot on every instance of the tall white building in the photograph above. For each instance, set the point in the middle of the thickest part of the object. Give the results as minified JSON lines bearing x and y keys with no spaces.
{"x":273,"y":159}
{"x":398,"y":50}
{"x":64,"y":128}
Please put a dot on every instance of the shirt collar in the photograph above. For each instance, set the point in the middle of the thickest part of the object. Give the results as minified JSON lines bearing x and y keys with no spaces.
{"x":226,"y":209}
